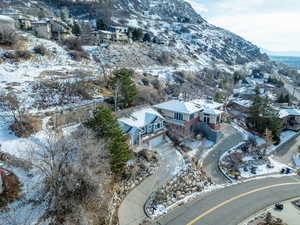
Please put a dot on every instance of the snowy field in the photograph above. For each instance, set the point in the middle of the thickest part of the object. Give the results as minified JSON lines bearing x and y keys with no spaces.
{"x":23,"y":211}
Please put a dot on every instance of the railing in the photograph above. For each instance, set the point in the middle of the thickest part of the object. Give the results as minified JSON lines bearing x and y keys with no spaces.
{"x":153,"y":134}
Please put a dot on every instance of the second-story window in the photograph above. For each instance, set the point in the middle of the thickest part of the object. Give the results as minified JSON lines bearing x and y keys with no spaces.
{"x":178,"y":116}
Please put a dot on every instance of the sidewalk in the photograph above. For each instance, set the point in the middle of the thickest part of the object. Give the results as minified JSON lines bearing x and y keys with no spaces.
{"x":131,"y":211}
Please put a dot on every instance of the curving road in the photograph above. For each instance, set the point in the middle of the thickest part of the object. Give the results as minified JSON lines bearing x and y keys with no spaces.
{"x":231,"y":138}
{"x":232,"y":204}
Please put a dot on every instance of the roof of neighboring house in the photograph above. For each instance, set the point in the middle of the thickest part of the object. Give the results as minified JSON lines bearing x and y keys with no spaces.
{"x":284,"y":112}
{"x":249,"y":81}
{"x":244,"y":90}
{"x":139,"y":118}
{"x":7,"y":19}
{"x":212,"y":111}
{"x":206,"y":103}
{"x":179,"y":106}
{"x":242,"y":102}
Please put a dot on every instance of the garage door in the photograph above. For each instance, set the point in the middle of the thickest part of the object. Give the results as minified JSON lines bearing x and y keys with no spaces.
{"x":156,"y":141}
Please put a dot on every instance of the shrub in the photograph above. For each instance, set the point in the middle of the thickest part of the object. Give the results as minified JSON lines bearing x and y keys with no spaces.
{"x":156,"y":84}
{"x":40,"y":49}
{"x":8,"y":36}
{"x":11,"y":55}
{"x":74,"y":44}
{"x":25,"y":127}
{"x":79,"y":55}
{"x":23,"y":54}
{"x":17,"y":55}
{"x":165,"y":58}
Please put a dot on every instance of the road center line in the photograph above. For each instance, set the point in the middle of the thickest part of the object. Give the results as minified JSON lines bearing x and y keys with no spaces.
{"x":235,"y":198}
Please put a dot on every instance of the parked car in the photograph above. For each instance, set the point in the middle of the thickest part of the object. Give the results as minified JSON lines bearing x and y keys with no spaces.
{"x":286,"y":170}
{"x":279,"y":206}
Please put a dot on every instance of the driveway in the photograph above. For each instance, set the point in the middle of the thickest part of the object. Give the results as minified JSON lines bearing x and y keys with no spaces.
{"x":131,"y":211}
{"x":230,"y":139}
{"x":232,"y":204}
{"x":286,"y":152}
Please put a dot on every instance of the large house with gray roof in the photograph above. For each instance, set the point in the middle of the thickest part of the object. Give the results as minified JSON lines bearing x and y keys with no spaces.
{"x":290,"y":118}
{"x":187,"y":119}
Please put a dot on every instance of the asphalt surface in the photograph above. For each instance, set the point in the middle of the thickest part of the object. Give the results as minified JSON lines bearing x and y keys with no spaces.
{"x":210,"y":164}
{"x":131,"y":211}
{"x":233,"y":204}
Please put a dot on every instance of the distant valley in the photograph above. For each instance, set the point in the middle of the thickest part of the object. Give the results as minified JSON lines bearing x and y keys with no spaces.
{"x":291,"y":61}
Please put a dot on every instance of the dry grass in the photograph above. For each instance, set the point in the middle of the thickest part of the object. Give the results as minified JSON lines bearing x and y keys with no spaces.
{"x":26,"y":127}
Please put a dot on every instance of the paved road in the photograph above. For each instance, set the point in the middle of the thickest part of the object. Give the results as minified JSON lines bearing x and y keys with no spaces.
{"x":233,"y":204}
{"x":210,"y":164}
{"x":131,"y":211}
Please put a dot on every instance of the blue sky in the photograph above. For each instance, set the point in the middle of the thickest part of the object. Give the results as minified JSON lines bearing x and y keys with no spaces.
{"x":270,"y":24}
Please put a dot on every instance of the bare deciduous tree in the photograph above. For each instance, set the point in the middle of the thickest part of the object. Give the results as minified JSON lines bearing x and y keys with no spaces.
{"x":72,"y":190}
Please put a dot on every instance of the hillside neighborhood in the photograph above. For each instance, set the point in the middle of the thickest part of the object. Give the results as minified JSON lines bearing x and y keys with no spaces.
{"x":123,"y":114}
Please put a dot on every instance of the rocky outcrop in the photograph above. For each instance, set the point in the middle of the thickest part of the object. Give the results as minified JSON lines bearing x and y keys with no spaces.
{"x":189,"y":181}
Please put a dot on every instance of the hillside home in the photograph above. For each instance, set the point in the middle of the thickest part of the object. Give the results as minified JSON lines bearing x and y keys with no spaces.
{"x":6,"y":21}
{"x":42,"y":29}
{"x":181,"y":117}
{"x":60,"y":30}
{"x":118,"y":29}
{"x":144,"y":127}
{"x":290,"y":118}
{"x":51,"y":28}
{"x":187,"y":119}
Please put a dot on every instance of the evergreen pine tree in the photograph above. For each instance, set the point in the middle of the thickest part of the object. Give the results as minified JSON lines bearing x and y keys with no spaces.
{"x":218,"y":97}
{"x":76,"y":29}
{"x":101,"y":25}
{"x":105,"y":125}
{"x":287,"y":98}
{"x":128,"y":91}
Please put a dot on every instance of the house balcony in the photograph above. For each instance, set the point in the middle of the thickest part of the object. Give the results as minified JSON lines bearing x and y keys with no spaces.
{"x":154,"y":134}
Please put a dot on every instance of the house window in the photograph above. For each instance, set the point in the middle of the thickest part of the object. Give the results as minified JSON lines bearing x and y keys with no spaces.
{"x":218,"y":119}
{"x":206,"y":118}
{"x":157,"y":126}
{"x":178,"y":116}
{"x":192,"y":116}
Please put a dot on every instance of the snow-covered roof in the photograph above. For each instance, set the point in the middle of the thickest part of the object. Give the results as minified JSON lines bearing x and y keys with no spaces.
{"x":141,"y":118}
{"x":6,"y":19}
{"x":179,"y":106}
{"x":212,"y":111}
{"x":284,"y":112}
{"x":244,"y":90}
{"x":242,"y":102}
{"x":250,"y":81}
{"x":206,"y":103}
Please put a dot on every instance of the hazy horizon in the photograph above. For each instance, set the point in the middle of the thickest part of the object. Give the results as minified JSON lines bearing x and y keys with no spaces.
{"x":270,"y":24}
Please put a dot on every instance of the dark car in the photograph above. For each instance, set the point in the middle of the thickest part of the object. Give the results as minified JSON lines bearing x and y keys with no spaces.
{"x":279,"y":206}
